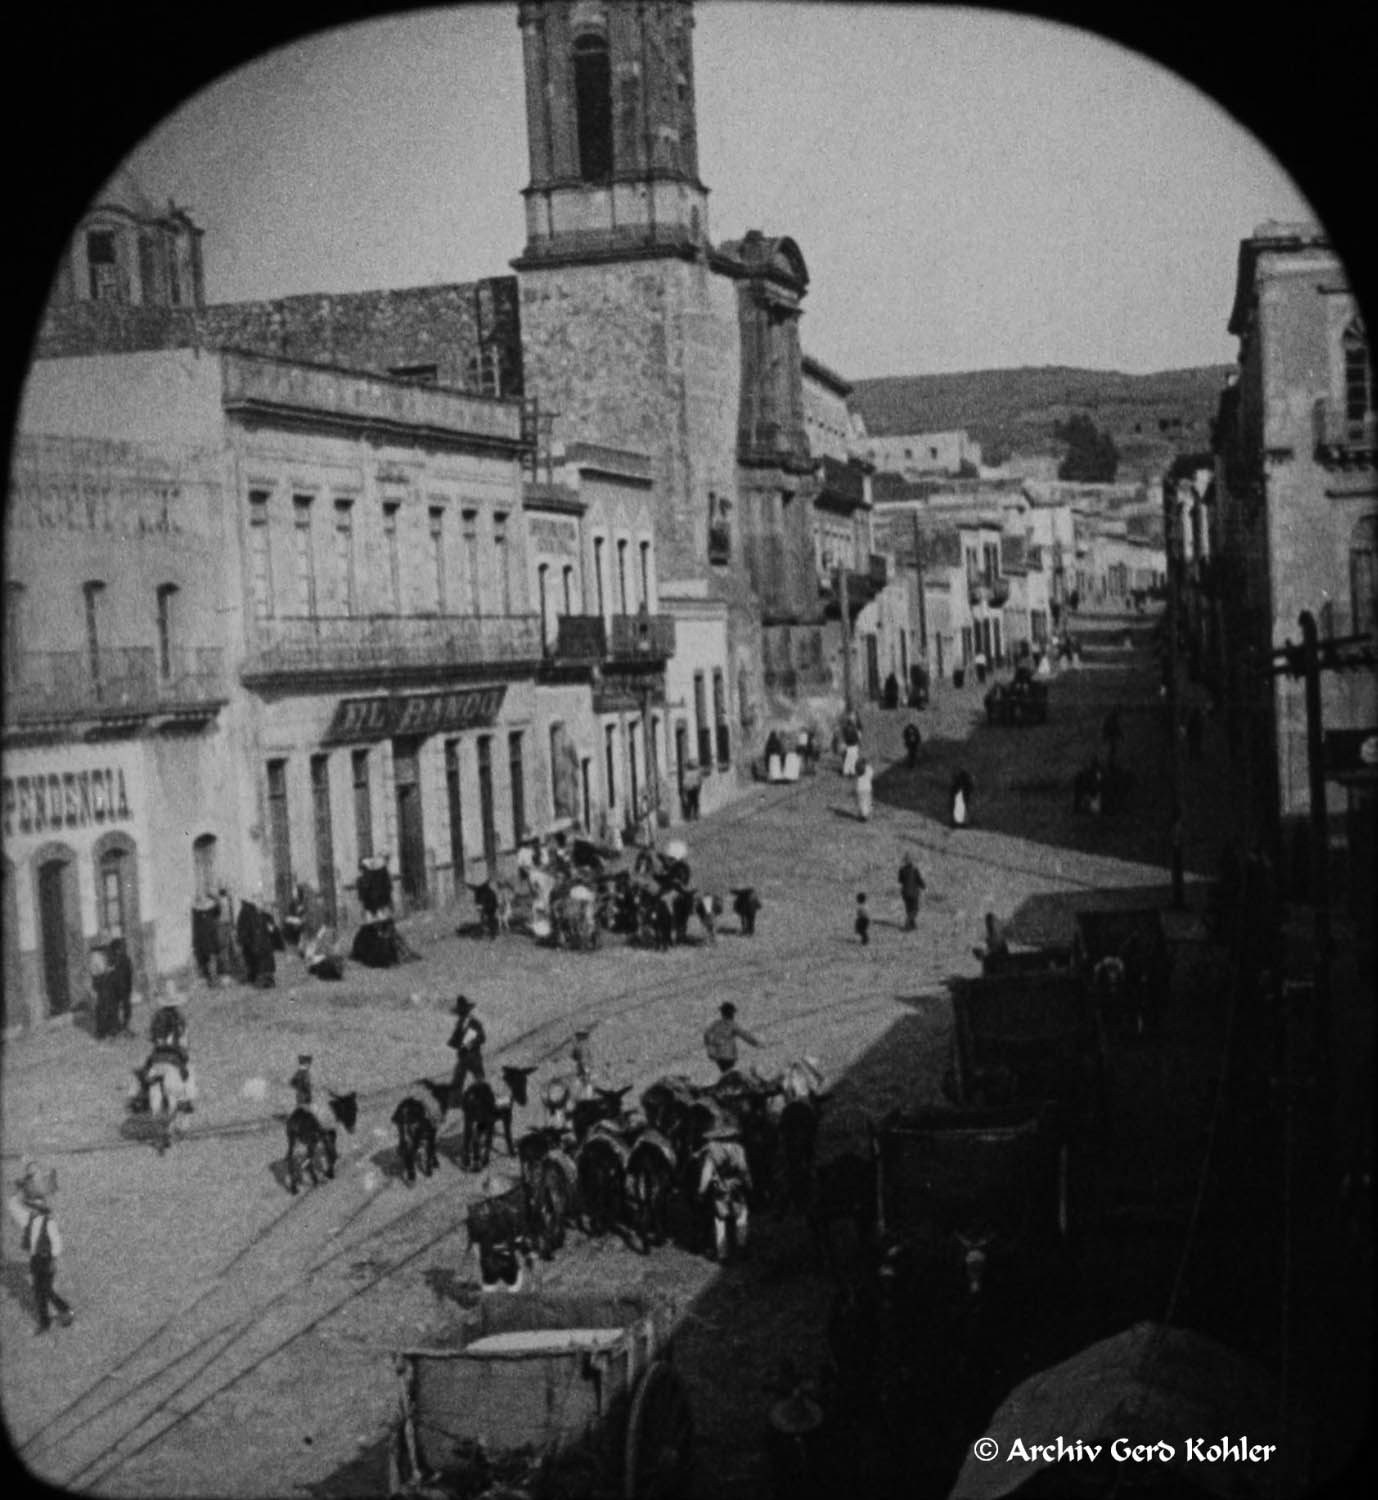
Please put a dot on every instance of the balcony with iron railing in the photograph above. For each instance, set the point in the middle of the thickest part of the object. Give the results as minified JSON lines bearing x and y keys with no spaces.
{"x":365,"y":646}
{"x":619,"y":639}
{"x":111,"y":683}
{"x":993,"y":592}
{"x":1343,"y":439}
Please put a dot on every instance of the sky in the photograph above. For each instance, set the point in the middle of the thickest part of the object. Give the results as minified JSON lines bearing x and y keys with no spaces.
{"x":970,"y":189}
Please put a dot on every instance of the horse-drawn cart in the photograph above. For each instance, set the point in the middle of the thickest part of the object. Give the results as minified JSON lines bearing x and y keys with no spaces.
{"x":548,"y":1397}
{"x":994,"y":1173}
{"x":1024,"y":701}
{"x":1028,"y":1039}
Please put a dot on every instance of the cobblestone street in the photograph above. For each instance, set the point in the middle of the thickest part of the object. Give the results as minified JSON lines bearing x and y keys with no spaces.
{"x":232,"y":1340}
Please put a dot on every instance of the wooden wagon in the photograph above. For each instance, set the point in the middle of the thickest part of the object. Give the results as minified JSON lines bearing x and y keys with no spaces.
{"x":1124,"y":960}
{"x":554,"y":1397}
{"x":1028,"y":1039}
{"x":1017,"y":703}
{"x":1001,"y":1173}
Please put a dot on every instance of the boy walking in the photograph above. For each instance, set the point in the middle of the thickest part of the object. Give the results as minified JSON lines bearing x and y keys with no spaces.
{"x":31,"y":1210}
{"x":863,"y":920}
{"x":721,"y":1038}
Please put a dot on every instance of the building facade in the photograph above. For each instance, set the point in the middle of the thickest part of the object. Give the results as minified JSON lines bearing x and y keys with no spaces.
{"x":314,"y":641}
{"x":1294,"y":517}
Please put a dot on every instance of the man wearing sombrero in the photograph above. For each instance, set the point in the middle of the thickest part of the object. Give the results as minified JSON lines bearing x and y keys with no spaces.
{"x":31,"y":1209}
{"x":467,"y":1039}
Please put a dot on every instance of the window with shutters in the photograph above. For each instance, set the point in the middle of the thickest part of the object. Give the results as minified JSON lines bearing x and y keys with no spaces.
{"x":303,"y":555}
{"x":344,"y":556}
{"x":260,"y":554}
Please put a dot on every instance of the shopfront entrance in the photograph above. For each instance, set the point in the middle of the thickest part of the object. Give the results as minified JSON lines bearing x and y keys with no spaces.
{"x":59,"y":930}
{"x":411,"y":835}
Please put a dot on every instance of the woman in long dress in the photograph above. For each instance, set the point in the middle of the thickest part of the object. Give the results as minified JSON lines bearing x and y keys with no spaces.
{"x":864,"y":777}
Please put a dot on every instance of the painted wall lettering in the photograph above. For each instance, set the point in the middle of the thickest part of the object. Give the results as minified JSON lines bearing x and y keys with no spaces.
{"x":68,"y":799}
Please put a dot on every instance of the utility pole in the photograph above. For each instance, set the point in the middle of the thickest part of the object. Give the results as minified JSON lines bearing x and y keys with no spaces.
{"x":845,"y":611}
{"x":1307,"y":661}
{"x":1174,"y":599}
{"x":923,"y":605}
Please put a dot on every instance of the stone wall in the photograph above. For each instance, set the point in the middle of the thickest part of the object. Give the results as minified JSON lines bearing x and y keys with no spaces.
{"x":469,"y":332}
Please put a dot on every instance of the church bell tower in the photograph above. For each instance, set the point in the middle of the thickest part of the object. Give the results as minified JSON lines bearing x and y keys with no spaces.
{"x":611,"y":131}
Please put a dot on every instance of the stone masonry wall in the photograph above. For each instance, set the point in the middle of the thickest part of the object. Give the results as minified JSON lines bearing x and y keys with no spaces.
{"x":446,"y":326}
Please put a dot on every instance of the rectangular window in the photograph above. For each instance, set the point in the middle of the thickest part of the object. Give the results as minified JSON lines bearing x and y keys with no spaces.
{"x":542,"y":578}
{"x":437,"y":535}
{"x":471,"y":568}
{"x":501,"y":560}
{"x":456,"y":812}
{"x":720,"y":719}
{"x":569,"y":588}
{"x":703,"y":729}
{"x":260,"y":554}
{"x":344,"y":556}
{"x":610,"y":762}
{"x":598,"y":546}
{"x":92,"y":593}
{"x":363,"y":805}
{"x":304,"y":557}
{"x":622,"y":577}
{"x":174,"y":277}
{"x":518,"y":774}
{"x":103,"y":265}
{"x":1358,"y":379}
{"x":646,"y":574}
{"x":280,"y":833}
{"x":393,"y":549}
{"x":166,"y":594}
{"x":325,"y":839}
{"x":634,"y":779}
{"x":112,"y":894}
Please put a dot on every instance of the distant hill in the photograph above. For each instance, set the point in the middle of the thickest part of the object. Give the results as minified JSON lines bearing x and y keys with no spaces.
{"x":1151,"y":417}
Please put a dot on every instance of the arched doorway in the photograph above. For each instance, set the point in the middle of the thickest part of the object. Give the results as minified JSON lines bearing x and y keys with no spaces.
{"x":117,"y":893}
{"x":59,"y":927}
{"x":204,"y":851}
{"x":14,"y":974}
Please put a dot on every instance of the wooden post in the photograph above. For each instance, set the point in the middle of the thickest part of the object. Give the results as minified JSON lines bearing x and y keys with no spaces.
{"x":923,"y":603}
{"x":1171,"y":517}
{"x":843,"y":606}
{"x":1320,"y":823}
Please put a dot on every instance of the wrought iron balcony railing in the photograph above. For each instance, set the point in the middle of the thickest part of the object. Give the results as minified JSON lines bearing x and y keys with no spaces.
{"x":622,"y":638}
{"x":1341,"y":438}
{"x":112,"y":682}
{"x":363,"y":644}
{"x":991,"y":591}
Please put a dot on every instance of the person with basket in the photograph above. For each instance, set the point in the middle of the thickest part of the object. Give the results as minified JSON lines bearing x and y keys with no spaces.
{"x":31,"y":1209}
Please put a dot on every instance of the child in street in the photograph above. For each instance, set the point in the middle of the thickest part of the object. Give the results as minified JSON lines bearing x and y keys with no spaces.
{"x":581,"y":1055}
{"x":863,"y":920}
{"x":721,"y":1038}
{"x":31,"y":1209}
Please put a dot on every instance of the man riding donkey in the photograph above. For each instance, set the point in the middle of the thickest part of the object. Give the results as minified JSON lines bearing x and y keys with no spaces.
{"x":300,"y":1084}
{"x":167,"y":1032}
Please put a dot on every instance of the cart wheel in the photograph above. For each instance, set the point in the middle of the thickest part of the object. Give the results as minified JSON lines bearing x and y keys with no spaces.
{"x":660,"y":1436}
